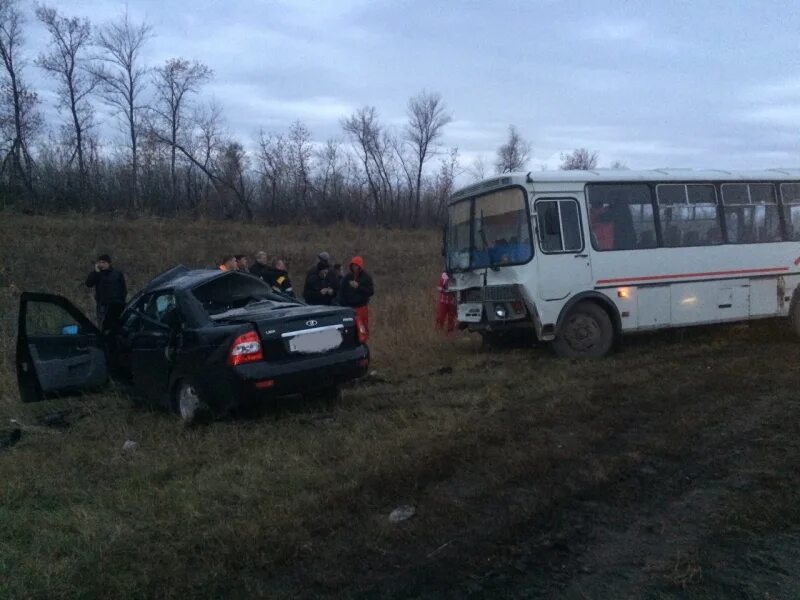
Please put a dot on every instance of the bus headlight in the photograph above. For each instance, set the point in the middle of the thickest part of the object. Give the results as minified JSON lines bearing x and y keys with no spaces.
{"x":500,"y":311}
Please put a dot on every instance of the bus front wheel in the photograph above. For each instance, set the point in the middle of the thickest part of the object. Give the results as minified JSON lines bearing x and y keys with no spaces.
{"x":587,"y":332}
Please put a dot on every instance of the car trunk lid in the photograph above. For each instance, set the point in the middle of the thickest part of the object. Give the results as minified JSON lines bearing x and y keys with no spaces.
{"x":291,"y":331}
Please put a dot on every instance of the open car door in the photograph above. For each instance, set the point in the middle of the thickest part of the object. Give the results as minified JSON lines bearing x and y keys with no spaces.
{"x":59,"y":350}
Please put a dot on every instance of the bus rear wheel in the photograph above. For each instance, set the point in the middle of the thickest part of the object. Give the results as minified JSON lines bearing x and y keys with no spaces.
{"x":586,"y":332}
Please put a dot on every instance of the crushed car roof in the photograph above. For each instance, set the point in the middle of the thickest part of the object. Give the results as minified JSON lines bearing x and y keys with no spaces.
{"x":181,"y":277}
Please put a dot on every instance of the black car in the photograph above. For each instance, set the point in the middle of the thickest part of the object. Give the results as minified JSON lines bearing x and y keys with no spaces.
{"x":194,"y":340}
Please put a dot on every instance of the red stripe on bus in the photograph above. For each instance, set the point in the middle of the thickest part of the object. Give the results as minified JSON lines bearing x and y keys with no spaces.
{"x":689,"y":275}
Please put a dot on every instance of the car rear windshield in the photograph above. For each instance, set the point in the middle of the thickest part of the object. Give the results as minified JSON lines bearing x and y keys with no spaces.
{"x":235,"y":291}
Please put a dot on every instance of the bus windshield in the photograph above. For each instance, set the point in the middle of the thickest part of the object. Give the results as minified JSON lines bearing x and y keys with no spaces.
{"x":489,"y":230}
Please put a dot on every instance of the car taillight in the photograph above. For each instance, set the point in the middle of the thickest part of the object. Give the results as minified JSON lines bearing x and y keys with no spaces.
{"x":245,"y":349}
{"x":361,"y":329}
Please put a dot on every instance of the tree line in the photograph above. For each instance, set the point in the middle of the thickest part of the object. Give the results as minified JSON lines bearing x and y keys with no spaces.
{"x":174,"y":155}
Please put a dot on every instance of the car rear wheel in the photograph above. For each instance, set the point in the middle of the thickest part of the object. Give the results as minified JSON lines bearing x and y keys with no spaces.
{"x":586,"y":332}
{"x":189,"y":403}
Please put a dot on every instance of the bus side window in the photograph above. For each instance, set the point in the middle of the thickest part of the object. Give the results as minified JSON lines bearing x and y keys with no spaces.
{"x":621,"y":216}
{"x":559,"y":226}
{"x":549,"y":226}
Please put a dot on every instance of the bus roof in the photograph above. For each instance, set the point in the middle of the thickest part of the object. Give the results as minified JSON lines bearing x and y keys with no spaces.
{"x":626,"y":175}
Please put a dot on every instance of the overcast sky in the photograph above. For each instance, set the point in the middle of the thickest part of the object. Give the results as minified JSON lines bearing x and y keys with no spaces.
{"x":653,"y":84}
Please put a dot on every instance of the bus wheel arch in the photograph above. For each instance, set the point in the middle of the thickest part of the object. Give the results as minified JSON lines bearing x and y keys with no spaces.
{"x":588,"y":326}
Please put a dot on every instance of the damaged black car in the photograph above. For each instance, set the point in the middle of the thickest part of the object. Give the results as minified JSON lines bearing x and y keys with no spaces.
{"x":196,"y":341}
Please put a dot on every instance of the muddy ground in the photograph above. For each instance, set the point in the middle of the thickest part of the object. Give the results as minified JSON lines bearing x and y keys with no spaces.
{"x":668,"y":471}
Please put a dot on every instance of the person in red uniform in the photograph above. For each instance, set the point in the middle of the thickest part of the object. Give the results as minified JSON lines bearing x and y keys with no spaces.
{"x":446,"y":305}
{"x":356,"y":290}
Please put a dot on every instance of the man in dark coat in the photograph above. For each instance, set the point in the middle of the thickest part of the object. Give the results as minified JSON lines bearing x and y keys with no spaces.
{"x":110,"y":292}
{"x":331,"y":280}
{"x":356,"y":290}
{"x":261,"y":267}
{"x":318,"y":288}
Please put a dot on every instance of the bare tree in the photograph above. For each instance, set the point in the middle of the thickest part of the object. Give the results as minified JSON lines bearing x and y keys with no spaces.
{"x":514,"y":154}
{"x":232,"y":173}
{"x":618,"y":164}
{"x":427,"y":118}
{"x":123,"y":78}
{"x":174,"y":82}
{"x":273,"y":160}
{"x":372,"y":147}
{"x":443,"y":184}
{"x":66,"y":60}
{"x":579,"y":159}
{"x":222,"y":160}
{"x":477,"y":170}
{"x":19,"y":116}
{"x":300,"y":152}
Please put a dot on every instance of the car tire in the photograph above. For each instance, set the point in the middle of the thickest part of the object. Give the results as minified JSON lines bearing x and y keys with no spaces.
{"x":189,"y":403}
{"x":586,"y":332}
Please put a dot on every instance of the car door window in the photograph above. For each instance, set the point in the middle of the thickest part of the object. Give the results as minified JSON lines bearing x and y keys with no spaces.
{"x":158,"y":310}
{"x":132,"y":318}
{"x":46,"y":319}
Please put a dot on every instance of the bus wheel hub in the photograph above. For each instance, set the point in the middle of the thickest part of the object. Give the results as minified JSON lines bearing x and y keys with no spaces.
{"x":582,"y":332}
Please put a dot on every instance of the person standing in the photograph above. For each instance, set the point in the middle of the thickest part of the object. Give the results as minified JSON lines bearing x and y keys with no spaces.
{"x":242,"y":263}
{"x":279,"y":278}
{"x":337,"y":275}
{"x":446,"y":305}
{"x":228,"y":263}
{"x":318,"y":289}
{"x":261,"y":267}
{"x":356,"y":290}
{"x":332,"y":280}
{"x":110,"y":292}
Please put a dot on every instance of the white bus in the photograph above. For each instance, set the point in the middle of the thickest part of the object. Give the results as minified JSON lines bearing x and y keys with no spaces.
{"x":581,"y":257}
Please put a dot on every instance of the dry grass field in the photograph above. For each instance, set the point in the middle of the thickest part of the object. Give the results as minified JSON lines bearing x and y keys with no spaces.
{"x":671,"y":469}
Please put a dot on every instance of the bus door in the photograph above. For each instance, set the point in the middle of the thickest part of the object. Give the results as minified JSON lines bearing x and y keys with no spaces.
{"x":563,"y":265}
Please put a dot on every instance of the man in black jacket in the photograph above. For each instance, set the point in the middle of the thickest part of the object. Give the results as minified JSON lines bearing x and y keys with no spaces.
{"x":110,"y":292}
{"x":318,"y":288}
{"x":356,"y":290}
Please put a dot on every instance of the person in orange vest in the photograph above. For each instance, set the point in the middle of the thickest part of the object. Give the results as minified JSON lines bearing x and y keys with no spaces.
{"x":356,"y":290}
{"x":446,"y":305}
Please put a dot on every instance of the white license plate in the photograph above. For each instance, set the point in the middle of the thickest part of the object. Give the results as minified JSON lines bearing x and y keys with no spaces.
{"x":470,"y":312}
{"x":315,"y":342}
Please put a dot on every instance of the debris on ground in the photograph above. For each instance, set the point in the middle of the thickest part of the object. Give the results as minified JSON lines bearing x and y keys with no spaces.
{"x":9,"y":437}
{"x":372,"y":377}
{"x":129,"y":446}
{"x":402,"y":513}
{"x":320,"y":419}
